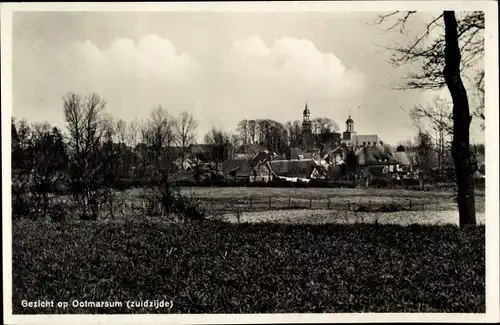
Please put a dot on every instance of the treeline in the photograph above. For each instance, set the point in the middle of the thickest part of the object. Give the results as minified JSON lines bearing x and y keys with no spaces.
{"x":276,"y":136}
{"x":91,"y":156}
{"x":430,"y":151}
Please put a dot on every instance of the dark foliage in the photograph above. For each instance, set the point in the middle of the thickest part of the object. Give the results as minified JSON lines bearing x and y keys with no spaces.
{"x":251,"y":268}
{"x":164,"y":198}
{"x":38,"y":162}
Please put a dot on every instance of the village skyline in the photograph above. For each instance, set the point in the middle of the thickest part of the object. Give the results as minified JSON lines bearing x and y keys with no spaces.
{"x":265,"y":66}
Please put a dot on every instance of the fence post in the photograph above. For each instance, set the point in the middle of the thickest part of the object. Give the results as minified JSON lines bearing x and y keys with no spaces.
{"x":410,"y":204}
{"x":348,"y":205}
{"x":329,"y":204}
{"x":289,"y":201}
{"x":269,"y":202}
{"x":437,"y":204}
{"x":422,"y":205}
{"x":369,"y":204}
{"x":310,"y":203}
{"x":211,"y":202}
{"x":251,"y":203}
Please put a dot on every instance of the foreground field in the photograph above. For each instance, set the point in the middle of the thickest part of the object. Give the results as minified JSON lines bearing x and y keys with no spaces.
{"x":249,"y":268}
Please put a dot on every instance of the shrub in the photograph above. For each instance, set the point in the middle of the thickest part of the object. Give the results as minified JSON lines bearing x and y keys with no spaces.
{"x":171,"y":201}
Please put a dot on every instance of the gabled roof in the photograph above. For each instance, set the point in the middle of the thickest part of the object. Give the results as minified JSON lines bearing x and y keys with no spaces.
{"x":174,"y":152}
{"x":293,"y":168}
{"x":337,"y":149}
{"x":249,"y":149}
{"x":238,"y":167}
{"x":262,"y":156}
{"x":200,"y":148}
{"x":374,"y":156}
{"x":294,"y":153}
{"x":402,"y":158}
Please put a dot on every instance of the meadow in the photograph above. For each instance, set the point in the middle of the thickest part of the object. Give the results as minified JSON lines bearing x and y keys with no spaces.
{"x":249,"y":199}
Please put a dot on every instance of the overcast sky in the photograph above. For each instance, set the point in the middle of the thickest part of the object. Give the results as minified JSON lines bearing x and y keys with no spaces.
{"x":222,"y":67}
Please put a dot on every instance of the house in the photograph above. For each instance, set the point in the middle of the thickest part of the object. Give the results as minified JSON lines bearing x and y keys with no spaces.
{"x":403,"y":162}
{"x":374,"y":156}
{"x":336,"y":157}
{"x":238,"y":169}
{"x":184,"y":164}
{"x":201,"y":151}
{"x":247,"y":151}
{"x":263,"y":156}
{"x":293,"y":168}
{"x":296,"y":153}
{"x":207,"y":152}
{"x":174,"y":152}
{"x":262,"y":173}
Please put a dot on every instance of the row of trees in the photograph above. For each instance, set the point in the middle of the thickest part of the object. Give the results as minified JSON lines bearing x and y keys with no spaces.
{"x":91,"y":154}
{"x":277,"y":136}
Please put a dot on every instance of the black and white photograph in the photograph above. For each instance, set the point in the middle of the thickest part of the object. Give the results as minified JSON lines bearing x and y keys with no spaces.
{"x":269,"y":162}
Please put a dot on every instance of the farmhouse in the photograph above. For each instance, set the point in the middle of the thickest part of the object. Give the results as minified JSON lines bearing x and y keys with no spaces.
{"x":253,"y":171}
{"x":296,"y":168}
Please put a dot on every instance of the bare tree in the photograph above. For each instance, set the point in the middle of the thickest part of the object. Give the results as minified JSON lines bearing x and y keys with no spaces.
{"x":460,"y":47}
{"x":410,"y":151}
{"x":479,"y":87}
{"x":294,"y":129}
{"x":91,"y":167}
{"x":185,"y":131}
{"x":424,"y":155}
{"x":160,"y":135}
{"x":236,"y":140}
{"x":324,"y":125}
{"x":252,"y":131}
{"x":244,"y":131}
{"x":133,"y":131}
{"x":438,"y":116}
{"x":121,"y":131}
{"x":430,"y":55}
{"x":220,"y":142}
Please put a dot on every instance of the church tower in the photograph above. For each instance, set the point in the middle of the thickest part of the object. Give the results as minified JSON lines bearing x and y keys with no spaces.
{"x":349,"y":135}
{"x":349,"y":124}
{"x":306,"y":121}
{"x":307,"y":138}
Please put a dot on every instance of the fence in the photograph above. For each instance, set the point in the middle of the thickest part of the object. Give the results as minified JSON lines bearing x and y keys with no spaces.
{"x":230,"y":204}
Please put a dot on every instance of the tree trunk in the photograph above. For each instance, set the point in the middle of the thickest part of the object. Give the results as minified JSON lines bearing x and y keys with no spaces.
{"x":461,"y":123}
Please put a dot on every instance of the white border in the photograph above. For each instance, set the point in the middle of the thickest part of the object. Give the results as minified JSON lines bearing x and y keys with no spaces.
{"x":491,"y":132}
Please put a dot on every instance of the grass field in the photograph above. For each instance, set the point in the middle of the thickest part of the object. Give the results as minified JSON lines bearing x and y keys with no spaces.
{"x":315,"y":193}
{"x":218,"y":267}
{"x":265,"y":199}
